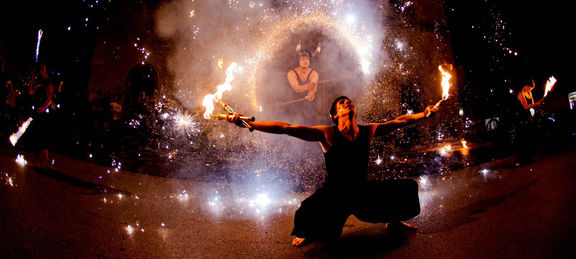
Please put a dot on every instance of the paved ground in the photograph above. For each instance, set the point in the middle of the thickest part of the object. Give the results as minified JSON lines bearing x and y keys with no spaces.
{"x":79,"y":209}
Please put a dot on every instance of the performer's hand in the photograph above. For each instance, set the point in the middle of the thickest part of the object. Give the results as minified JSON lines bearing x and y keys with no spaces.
{"x":310,"y":96}
{"x":235,"y":118}
{"x":538,"y":103}
{"x":311,"y":92}
{"x":430,"y":110}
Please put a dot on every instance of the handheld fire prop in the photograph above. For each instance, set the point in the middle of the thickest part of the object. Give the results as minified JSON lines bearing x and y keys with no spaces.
{"x":549,"y":85}
{"x":209,"y":100}
{"x":446,"y":76}
{"x":16,"y":136}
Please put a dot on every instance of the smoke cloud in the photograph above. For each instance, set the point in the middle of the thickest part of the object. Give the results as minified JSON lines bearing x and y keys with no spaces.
{"x":361,"y":57}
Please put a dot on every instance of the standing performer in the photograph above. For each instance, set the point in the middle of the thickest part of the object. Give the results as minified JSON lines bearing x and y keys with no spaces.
{"x":346,"y":191}
{"x":40,"y":99}
{"x":524,"y":148}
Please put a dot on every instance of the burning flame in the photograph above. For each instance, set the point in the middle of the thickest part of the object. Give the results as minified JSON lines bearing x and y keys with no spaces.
{"x":445,"y":150}
{"x":464,"y":143}
{"x":209,"y":99}
{"x":445,"y":82}
{"x":16,"y":136}
{"x":549,"y":85}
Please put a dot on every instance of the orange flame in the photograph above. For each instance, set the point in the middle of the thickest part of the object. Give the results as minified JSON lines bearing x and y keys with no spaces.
{"x":445,"y":82}
{"x":209,"y":99}
{"x":549,"y":85}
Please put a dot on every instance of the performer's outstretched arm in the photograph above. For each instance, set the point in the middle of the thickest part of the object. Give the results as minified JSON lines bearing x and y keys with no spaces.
{"x":381,"y":129}
{"x":308,"y":133}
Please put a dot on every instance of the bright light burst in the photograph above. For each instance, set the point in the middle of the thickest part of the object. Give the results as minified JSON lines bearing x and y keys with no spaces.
{"x":261,"y":200}
{"x":184,"y":121}
{"x":20,"y":160}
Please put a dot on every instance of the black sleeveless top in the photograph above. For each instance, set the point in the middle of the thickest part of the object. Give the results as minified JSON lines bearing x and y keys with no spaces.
{"x":300,"y":82}
{"x":347,"y":161}
{"x":526,"y":114}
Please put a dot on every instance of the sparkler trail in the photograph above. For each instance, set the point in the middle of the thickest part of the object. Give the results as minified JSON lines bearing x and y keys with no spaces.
{"x":40,"y":32}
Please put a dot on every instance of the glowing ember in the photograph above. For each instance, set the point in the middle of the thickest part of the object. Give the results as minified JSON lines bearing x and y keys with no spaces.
{"x":464,"y":143}
{"x":378,"y":160}
{"x":129,"y":230}
{"x":209,"y":99}
{"x":16,"y":136}
{"x":221,"y":63}
{"x":549,"y":85}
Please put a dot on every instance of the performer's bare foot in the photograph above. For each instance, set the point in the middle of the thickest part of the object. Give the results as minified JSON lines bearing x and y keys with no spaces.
{"x":400,"y":226}
{"x":299,"y":241}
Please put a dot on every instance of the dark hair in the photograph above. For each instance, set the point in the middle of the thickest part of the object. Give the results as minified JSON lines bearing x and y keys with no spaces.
{"x":305,"y":53}
{"x":333,"y":108}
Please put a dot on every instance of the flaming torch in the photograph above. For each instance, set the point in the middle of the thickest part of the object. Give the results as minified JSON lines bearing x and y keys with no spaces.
{"x":445,"y":84}
{"x":16,"y":136}
{"x":209,"y":100}
{"x":549,"y":85}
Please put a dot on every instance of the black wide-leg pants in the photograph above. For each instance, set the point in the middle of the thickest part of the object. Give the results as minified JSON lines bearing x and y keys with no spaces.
{"x":321,"y":216}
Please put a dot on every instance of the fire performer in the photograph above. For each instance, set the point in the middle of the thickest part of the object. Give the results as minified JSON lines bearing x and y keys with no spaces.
{"x":40,"y":94}
{"x":526,"y":99}
{"x":303,"y":80}
{"x":347,"y":191}
{"x":309,"y":85}
{"x":526,"y":125}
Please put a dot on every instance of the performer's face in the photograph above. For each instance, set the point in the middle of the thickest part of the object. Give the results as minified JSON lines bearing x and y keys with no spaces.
{"x":304,"y":61}
{"x":345,"y":107}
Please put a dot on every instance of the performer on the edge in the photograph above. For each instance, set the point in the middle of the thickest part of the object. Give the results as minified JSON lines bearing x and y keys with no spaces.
{"x":346,"y":191}
{"x":524,"y":149}
{"x":40,"y":94}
